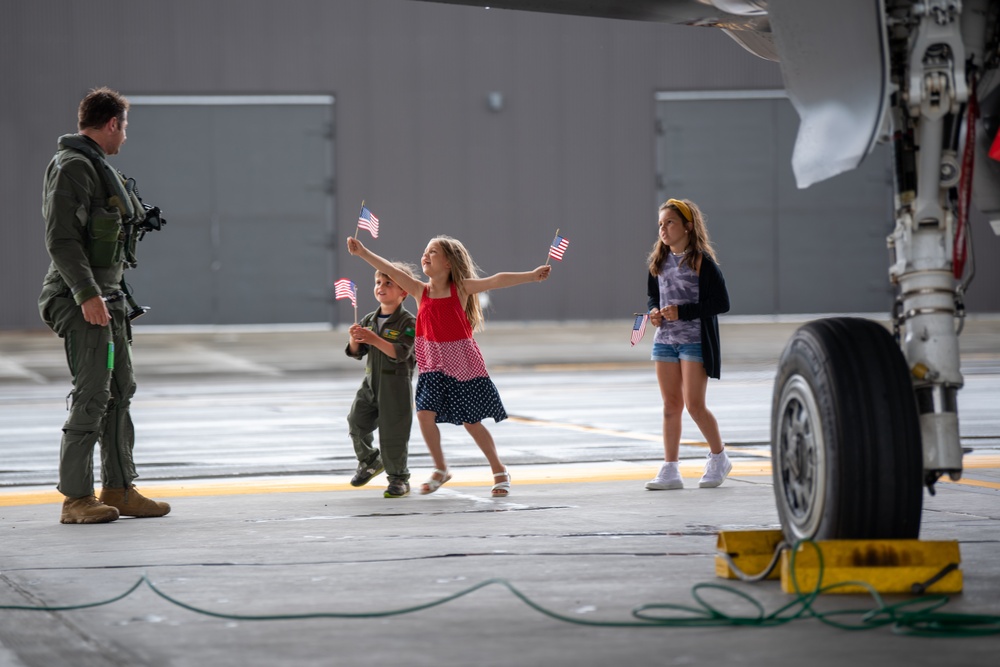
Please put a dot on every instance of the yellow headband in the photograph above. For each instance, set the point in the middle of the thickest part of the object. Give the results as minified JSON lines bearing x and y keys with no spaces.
{"x":682,"y":207}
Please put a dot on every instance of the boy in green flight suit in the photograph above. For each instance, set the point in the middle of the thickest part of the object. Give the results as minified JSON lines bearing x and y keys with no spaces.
{"x":385,"y":399}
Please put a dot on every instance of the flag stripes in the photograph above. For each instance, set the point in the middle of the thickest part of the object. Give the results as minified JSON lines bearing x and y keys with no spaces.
{"x":558,"y":247}
{"x":346,"y":289}
{"x":639,"y":328}
{"x":367,"y":220}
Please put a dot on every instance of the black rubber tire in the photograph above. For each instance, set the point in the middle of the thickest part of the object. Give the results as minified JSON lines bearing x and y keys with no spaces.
{"x":846,"y":448}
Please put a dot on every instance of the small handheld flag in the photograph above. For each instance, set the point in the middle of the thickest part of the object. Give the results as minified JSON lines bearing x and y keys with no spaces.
{"x":639,"y":328}
{"x":558,"y":247}
{"x":367,"y":220}
{"x":346,"y":289}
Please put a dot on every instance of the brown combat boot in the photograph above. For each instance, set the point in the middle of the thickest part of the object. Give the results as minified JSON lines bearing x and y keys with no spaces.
{"x":129,"y":502}
{"x":87,"y":510}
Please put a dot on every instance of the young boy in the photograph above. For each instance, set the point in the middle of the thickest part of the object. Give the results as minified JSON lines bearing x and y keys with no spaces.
{"x":385,"y":399}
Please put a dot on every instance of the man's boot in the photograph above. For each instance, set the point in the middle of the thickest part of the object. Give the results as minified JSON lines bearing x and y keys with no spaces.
{"x":129,"y":502}
{"x":87,"y":509}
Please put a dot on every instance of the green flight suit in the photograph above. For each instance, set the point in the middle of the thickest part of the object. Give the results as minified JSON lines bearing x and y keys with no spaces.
{"x":84,"y":210}
{"x":385,"y":399}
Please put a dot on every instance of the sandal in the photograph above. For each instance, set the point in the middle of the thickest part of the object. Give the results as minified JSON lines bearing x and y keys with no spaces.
{"x":501,"y":489}
{"x":432,"y":484}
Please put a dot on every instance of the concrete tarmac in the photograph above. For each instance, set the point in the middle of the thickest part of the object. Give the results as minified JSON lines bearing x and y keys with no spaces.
{"x":306,"y":570}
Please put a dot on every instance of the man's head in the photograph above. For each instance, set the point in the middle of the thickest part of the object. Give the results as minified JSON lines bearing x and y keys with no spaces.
{"x":103,"y":116}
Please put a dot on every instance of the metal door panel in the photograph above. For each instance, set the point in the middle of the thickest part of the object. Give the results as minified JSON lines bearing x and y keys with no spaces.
{"x":246,"y":190}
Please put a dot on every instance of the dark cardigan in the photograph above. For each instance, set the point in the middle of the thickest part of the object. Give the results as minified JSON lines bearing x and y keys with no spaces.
{"x":713,"y":299}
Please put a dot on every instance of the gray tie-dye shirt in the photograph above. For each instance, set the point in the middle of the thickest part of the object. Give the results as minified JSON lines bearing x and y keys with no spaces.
{"x":678,"y":284}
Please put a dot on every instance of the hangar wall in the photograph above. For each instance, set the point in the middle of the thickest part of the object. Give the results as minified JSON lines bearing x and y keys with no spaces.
{"x":571,"y":144}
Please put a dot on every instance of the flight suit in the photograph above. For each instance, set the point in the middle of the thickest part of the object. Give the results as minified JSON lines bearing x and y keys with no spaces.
{"x":85,"y":205}
{"x":385,"y":398}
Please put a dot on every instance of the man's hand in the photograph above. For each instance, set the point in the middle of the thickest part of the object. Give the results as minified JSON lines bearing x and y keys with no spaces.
{"x":95,"y":311}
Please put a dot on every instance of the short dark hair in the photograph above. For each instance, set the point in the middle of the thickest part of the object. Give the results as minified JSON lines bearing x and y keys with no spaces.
{"x":99,"y":106}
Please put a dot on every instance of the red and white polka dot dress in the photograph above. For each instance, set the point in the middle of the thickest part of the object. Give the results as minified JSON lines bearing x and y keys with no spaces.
{"x":453,"y":381}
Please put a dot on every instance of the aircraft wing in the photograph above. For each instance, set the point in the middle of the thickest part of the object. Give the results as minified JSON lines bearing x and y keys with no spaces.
{"x":832,"y":54}
{"x":732,"y":14}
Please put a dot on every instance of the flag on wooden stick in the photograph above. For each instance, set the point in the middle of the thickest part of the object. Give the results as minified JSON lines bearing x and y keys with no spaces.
{"x":367,"y":220}
{"x":346,"y":289}
{"x":558,"y":247}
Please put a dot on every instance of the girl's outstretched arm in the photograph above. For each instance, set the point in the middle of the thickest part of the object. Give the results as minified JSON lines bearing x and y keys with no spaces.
{"x":506,"y":279}
{"x":411,"y":286}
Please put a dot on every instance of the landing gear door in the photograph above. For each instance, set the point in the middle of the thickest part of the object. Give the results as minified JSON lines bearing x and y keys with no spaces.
{"x":834,"y":61}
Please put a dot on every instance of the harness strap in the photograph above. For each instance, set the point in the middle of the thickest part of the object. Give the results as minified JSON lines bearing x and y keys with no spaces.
{"x":114,"y":182}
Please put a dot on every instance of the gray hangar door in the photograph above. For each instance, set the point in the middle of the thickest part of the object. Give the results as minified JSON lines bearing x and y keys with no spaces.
{"x":783,"y":250}
{"x":245,"y":185}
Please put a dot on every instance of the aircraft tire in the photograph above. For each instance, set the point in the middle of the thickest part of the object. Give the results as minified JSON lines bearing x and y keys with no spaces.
{"x":846,"y":448}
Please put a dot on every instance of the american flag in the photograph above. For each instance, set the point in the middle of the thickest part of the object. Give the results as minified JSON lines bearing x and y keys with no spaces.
{"x":638,"y":328}
{"x":559,"y":245}
{"x":367,"y":220}
{"x":346,"y":289}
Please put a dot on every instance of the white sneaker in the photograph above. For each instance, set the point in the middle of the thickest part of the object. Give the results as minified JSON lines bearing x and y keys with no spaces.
{"x":669,"y":477}
{"x":716,"y":470}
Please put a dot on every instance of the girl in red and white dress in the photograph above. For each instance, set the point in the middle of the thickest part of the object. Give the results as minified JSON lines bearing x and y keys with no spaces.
{"x":453,"y":386}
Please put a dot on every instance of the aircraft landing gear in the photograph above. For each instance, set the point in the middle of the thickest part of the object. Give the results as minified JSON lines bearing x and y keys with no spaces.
{"x":845,"y":434}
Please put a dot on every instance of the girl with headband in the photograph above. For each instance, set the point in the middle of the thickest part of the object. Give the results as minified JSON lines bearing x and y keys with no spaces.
{"x":686,"y":293}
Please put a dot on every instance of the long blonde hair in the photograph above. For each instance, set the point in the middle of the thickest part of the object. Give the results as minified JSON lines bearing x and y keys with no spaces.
{"x":699,"y":243}
{"x":462,"y":268}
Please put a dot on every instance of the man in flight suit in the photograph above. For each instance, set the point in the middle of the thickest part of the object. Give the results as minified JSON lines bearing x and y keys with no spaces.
{"x":88,"y":211}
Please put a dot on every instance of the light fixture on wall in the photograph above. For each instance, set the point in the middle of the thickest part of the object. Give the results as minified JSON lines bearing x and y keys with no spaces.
{"x":494,"y":100}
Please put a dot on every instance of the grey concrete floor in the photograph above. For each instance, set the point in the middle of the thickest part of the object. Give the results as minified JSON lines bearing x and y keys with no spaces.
{"x":252,"y":552}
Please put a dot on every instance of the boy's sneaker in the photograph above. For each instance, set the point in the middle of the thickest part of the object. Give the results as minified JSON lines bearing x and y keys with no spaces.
{"x":366,"y":471}
{"x":716,"y":470}
{"x":397,"y":488}
{"x":669,"y":477}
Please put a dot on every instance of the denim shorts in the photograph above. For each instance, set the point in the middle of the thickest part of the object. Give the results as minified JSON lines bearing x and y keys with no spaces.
{"x":674,"y":353}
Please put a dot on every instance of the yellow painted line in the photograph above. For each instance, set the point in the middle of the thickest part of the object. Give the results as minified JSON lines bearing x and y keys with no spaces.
{"x":973,"y":482}
{"x":187,"y":490}
{"x":465,"y":477}
{"x":981,"y":461}
{"x":19,"y":498}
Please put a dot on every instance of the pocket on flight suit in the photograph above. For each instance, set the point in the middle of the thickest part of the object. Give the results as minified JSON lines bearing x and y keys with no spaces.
{"x":87,"y":354}
{"x":84,"y":345}
{"x":46,"y":301}
{"x":103,"y":246}
{"x":59,"y":310}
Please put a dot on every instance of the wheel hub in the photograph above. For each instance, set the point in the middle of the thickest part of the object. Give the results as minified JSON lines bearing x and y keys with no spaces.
{"x":800,"y":458}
